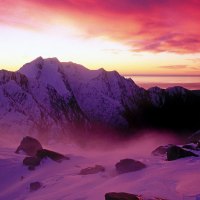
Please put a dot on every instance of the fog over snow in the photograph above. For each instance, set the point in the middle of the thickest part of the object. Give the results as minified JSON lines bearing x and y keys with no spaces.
{"x":171,"y":180}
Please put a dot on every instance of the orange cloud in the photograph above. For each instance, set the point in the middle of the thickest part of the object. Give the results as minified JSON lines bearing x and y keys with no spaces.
{"x":145,"y":25}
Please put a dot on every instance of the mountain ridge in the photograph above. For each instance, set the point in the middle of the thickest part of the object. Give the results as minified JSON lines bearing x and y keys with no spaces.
{"x":51,"y":97}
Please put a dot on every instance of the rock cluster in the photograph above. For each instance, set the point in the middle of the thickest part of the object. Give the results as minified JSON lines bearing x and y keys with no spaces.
{"x":36,"y":153}
{"x":174,"y":152}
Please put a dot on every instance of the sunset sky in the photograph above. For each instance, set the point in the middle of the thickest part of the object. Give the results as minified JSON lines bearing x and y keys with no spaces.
{"x":130,"y":36}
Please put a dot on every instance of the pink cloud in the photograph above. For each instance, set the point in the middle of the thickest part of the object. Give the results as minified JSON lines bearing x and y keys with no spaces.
{"x":145,"y":25}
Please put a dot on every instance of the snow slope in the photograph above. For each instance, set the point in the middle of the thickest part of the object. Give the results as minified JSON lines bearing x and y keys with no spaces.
{"x":171,"y":180}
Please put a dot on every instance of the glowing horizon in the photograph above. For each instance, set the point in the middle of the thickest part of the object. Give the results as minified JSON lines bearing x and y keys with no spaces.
{"x":130,"y":36}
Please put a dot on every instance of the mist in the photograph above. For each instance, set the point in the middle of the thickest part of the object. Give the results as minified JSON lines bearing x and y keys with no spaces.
{"x":62,"y":180}
{"x":140,"y":144}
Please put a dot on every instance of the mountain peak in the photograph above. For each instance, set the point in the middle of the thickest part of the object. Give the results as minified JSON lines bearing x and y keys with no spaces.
{"x":37,"y":60}
{"x":35,"y":68}
{"x":52,"y":96}
{"x":52,"y":60}
{"x":41,"y":59}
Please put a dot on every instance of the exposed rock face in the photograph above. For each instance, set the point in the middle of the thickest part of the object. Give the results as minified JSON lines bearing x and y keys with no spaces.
{"x":44,"y":153}
{"x":50,"y":97}
{"x":29,"y":145}
{"x":92,"y":170}
{"x":32,"y":147}
{"x":121,"y":196}
{"x":129,"y":165}
{"x":35,"y":186}
{"x":175,"y":152}
{"x":172,"y":109}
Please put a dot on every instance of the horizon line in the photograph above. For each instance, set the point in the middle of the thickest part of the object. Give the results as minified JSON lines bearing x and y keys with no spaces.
{"x":175,"y":75}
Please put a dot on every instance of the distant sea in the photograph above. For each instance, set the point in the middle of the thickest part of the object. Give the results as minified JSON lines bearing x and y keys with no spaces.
{"x":147,"y":81}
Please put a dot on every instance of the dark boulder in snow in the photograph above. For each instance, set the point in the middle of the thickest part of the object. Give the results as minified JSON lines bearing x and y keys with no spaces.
{"x":35,"y":186}
{"x":175,"y":152}
{"x":34,"y":161}
{"x":129,"y":165}
{"x":121,"y":196}
{"x":44,"y":153}
{"x":29,"y":145}
{"x":31,"y":161}
{"x":161,"y":150}
{"x":92,"y":170}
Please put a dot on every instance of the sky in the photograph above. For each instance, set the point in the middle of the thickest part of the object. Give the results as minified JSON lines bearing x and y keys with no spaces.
{"x":130,"y":36}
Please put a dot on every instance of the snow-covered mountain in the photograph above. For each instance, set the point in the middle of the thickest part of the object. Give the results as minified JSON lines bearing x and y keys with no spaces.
{"x":48,"y":96}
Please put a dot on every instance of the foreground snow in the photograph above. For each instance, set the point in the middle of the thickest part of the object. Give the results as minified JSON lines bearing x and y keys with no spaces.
{"x":172,"y":180}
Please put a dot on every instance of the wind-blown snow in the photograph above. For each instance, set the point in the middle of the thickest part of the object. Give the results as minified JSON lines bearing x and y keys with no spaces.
{"x":171,"y":180}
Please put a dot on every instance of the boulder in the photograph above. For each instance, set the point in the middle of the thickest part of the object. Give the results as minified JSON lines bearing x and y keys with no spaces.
{"x":29,"y":145}
{"x":31,"y":161}
{"x":161,"y":150}
{"x":35,"y":186}
{"x":92,"y":170}
{"x":129,"y":165}
{"x":174,"y":152}
{"x":44,"y":153}
{"x":121,"y":196}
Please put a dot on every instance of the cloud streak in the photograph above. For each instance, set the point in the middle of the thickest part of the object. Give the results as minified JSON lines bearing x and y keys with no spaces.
{"x":145,"y":25}
{"x":179,"y":67}
{"x":174,"y":67}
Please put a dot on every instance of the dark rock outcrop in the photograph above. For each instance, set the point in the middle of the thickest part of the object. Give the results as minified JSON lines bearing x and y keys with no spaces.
{"x":92,"y":170}
{"x":33,"y":148}
{"x":117,"y":101}
{"x":35,"y":186}
{"x":121,"y":196}
{"x":29,"y":145}
{"x":44,"y":153}
{"x":174,"y":152}
{"x":129,"y":165}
